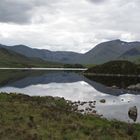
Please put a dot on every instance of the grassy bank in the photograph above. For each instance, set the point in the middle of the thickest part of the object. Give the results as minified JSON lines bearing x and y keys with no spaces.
{"x":46,"y":118}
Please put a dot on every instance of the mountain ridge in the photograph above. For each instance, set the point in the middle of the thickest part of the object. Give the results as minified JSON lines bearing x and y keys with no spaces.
{"x":101,"y":53}
{"x":10,"y":58}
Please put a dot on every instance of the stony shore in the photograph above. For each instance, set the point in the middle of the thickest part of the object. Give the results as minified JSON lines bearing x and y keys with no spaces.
{"x":47,"y":118}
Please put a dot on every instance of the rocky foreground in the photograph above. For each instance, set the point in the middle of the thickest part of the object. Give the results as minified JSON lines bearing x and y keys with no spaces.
{"x":46,"y":118}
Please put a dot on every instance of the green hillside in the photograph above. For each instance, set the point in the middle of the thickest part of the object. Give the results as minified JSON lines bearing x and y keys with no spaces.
{"x":115,"y":67}
{"x":12,"y":59}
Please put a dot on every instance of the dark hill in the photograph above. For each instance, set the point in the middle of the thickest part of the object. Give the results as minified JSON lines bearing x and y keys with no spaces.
{"x":115,"y":67}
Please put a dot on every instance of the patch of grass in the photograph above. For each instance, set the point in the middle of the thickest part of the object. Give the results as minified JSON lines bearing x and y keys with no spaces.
{"x":46,"y":118}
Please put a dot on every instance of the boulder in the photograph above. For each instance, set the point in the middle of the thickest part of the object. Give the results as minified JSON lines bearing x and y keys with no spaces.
{"x":133,"y":112}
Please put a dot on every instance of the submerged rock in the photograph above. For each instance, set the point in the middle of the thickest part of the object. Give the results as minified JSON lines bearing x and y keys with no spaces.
{"x":102,"y":100}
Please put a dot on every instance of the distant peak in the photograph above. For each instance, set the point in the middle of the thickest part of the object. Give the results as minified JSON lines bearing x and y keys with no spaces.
{"x":117,"y":40}
{"x":21,"y":45}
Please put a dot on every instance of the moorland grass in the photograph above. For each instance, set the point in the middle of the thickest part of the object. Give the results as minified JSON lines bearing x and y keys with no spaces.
{"x":47,"y":118}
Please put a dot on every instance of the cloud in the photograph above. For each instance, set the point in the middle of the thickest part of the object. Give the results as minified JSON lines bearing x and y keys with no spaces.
{"x":68,"y":24}
{"x":20,"y":11}
{"x":97,"y":1}
{"x":14,"y":11}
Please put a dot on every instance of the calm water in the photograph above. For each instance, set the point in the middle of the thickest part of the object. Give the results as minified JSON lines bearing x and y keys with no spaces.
{"x":75,"y":87}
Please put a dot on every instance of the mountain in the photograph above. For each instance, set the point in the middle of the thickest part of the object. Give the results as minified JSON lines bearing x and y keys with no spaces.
{"x":107,"y":51}
{"x":101,"y":53}
{"x":56,"y":56}
{"x":10,"y":58}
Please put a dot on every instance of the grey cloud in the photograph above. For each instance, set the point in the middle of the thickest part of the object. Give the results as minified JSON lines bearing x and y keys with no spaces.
{"x":68,"y":24}
{"x":14,"y":11}
{"x":97,"y":1}
{"x":19,"y":11}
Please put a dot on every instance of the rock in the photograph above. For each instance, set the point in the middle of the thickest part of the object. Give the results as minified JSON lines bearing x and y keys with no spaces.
{"x":82,"y":110}
{"x":131,"y":87}
{"x":134,"y":87}
{"x":133,"y":112}
{"x":90,"y":102}
{"x":94,"y":102}
{"x":78,"y":102}
{"x":82,"y":103}
{"x":114,"y":86}
{"x":90,"y":109}
{"x":92,"y":105}
{"x":94,"y":111}
{"x":86,"y":108}
{"x":102,"y":100}
{"x":138,"y":86}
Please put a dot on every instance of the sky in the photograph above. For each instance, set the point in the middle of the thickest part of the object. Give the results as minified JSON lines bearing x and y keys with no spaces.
{"x":68,"y":25}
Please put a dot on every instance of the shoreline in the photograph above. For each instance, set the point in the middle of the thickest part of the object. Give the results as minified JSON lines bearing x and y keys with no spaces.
{"x":58,"y":69}
{"x":111,"y":75}
{"x":26,"y":117}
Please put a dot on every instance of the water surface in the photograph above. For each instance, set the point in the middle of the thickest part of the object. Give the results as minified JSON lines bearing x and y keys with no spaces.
{"x":75,"y":87}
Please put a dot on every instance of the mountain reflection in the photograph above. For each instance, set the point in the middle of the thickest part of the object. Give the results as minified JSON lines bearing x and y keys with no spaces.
{"x":76,"y":87}
{"x":22,"y":79}
{"x":120,"y":82}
